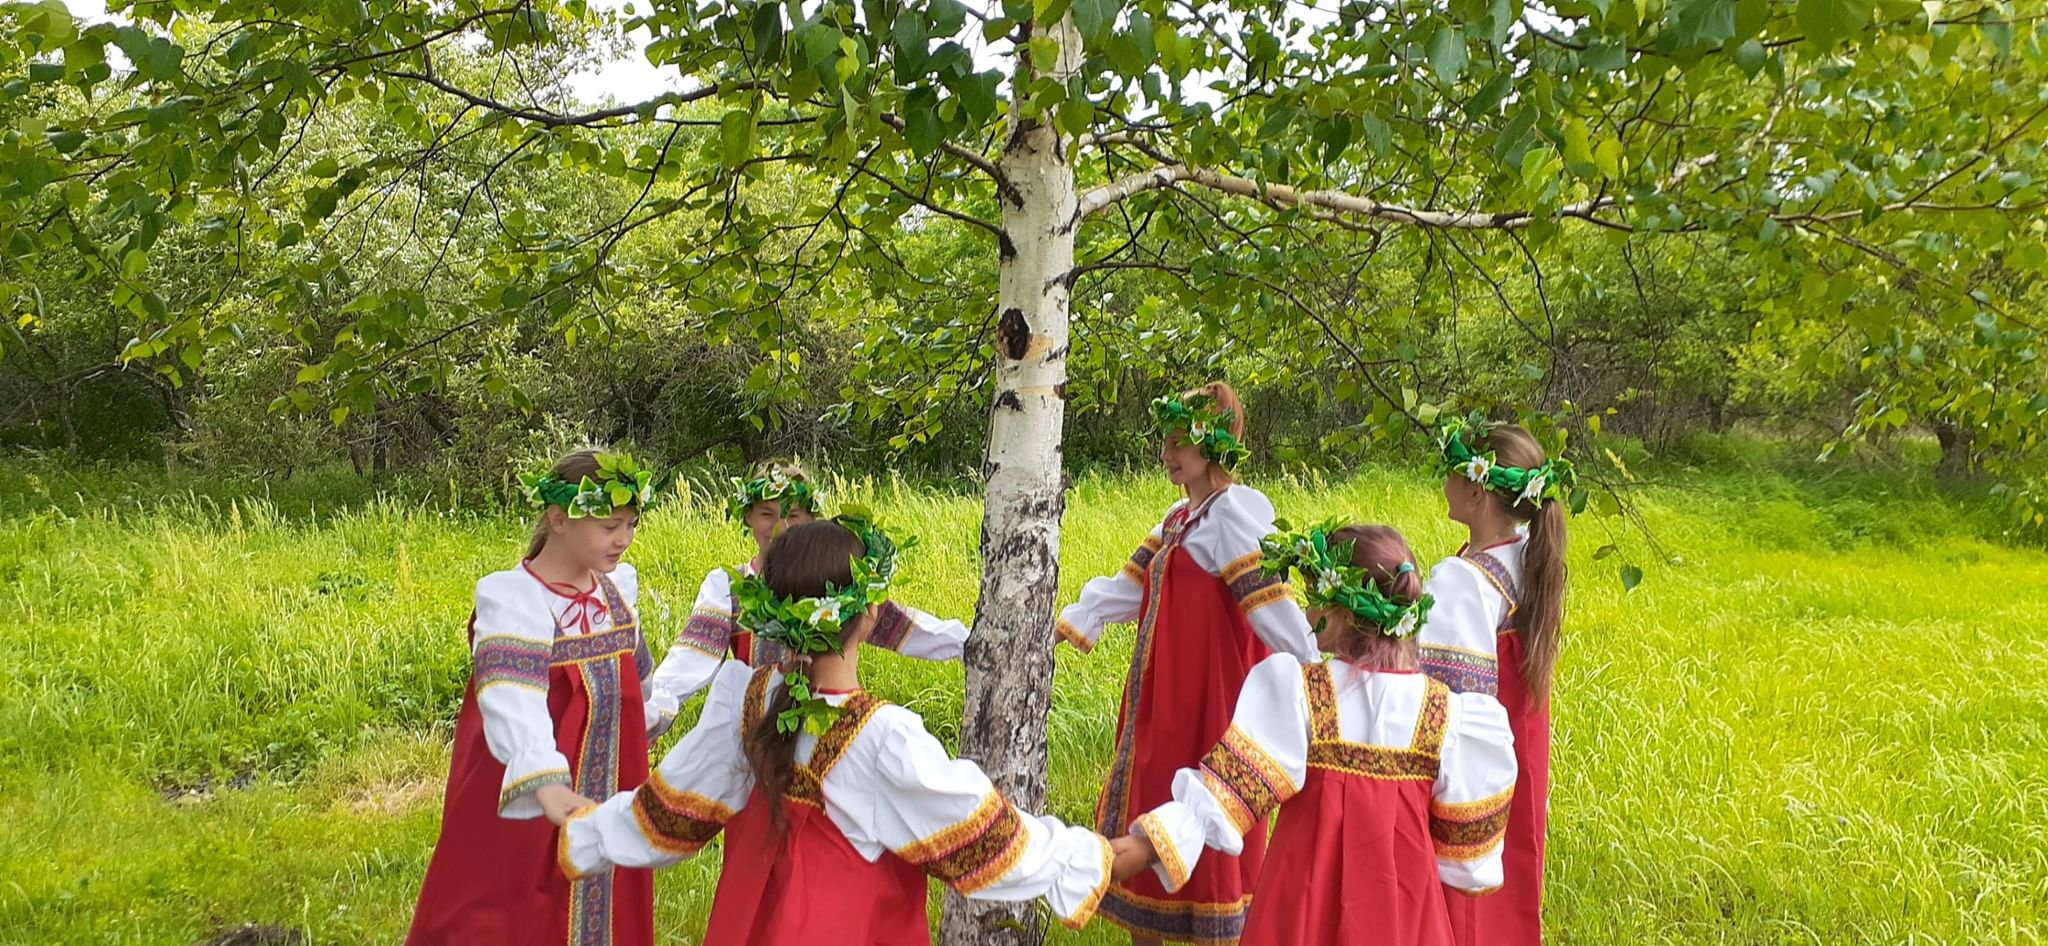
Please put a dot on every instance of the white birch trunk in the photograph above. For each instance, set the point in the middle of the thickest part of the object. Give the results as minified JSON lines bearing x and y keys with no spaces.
{"x":1009,"y":654}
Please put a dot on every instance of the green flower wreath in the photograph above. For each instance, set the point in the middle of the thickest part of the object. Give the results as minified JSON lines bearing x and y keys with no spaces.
{"x":620,"y":482}
{"x":812,"y":626}
{"x":776,"y":487}
{"x":1555,"y":479}
{"x":1198,"y":420}
{"x":1330,"y":579}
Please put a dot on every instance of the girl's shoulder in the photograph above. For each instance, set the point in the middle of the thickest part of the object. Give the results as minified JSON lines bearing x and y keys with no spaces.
{"x":510,"y":583}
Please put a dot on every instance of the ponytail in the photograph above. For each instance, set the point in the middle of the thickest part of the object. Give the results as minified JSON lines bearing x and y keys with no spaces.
{"x":1540,"y":613}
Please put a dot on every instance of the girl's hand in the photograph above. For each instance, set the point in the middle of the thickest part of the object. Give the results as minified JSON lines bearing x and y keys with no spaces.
{"x":1132,"y":854}
{"x":558,"y":802}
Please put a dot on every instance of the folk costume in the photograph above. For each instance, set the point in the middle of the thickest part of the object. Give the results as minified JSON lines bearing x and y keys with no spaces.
{"x":1471,"y":644}
{"x":554,"y":697}
{"x":1390,"y":788}
{"x":876,"y":807}
{"x":1205,"y":614}
{"x":713,"y":633}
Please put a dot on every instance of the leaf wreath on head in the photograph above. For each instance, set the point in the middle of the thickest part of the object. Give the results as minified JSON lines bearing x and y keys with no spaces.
{"x":813,"y":626}
{"x":1330,"y":580}
{"x":1553,"y":480}
{"x":1197,"y":420}
{"x":777,"y":486}
{"x":620,"y":482}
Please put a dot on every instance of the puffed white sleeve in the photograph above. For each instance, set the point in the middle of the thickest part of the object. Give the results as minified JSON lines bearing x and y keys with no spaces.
{"x":512,"y":635}
{"x":944,"y":815}
{"x":698,"y":786}
{"x":696,"y":654}
{"x":1261,"y":762}
{"x":1475,"y":783}
{"x":1111,"y":599}
{"x":913,"y":633}
{"x":1457,"y":639}
{"x":1225,"y":542}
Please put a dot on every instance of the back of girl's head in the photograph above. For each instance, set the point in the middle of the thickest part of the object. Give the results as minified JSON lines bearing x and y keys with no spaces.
{"x":802,"y":561}
{"x":1539,"y":615}
{"x":572,"y":468}
{"x":1226,"y":399}
{"x":1380,"y":551}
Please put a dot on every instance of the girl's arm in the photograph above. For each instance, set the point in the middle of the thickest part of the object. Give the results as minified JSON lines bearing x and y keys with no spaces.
{"x":512,"y":641}
{"x":1458,"y":637}
{"x":1110,"y":599}
{"x":1475,"y":781}
{"x":696,"y":653}
{"x":902,"y":791}
{"x":699,"y":785}
{"x":1225,"y":542}
{"x":913,"y":633}
{"x":1261,"y":762}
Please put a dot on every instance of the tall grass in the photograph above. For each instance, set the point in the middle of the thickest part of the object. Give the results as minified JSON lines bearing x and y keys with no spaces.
{"x":1824,"y":723}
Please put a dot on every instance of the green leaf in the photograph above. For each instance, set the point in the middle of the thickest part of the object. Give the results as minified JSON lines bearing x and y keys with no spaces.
{"x":65,"y":140}
{"x":1702,"y":22}
{"x":39,"y":72}
{"x":977,"y":94}
{"x":1489,"y":96}
{"x":155,"y":58}
{"x":1604,"y":551}
{"x":947,"y":16}
{"x":1828,"y":22}
{"x":1447,"y":53}
{"x":767,"y":29}
{"x":1631,"y":576}
{"x":736,"y":137}
{"x":1093,"y":17}
{"x":1749,"y":57}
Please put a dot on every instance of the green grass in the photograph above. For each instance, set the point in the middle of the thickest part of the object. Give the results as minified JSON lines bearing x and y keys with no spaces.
{"x":1824,"y":724}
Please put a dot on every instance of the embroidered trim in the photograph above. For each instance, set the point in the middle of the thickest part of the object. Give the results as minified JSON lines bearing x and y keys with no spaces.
{"x":1086,"y":911}
{"x":1113,"y":805}
{"x":529,"y":783}
{"x":891,"y":626}
{"x":1322,"y":703}
{"x":573,"y":649}
{"x":1271,"y":591}
{"x":1503,"y":581}
{"x":1072,"y":635}
{"x":1234,"y":808}
{"x":1162,"y":843}
{"x":1463,"y":671}
{"x":757,"y":698}
{"x":1468,"y":831}
{"x":677,"y":822}
{"x":976,"y":851}
{"x":708,"y":631}
{"x":514,"y":660}
{"x":1418,"y":762}
{"x":1241,"y":567}
{"x":1254,"y":779}
{"x":807,"y":782}
{"x":1180,"y":921}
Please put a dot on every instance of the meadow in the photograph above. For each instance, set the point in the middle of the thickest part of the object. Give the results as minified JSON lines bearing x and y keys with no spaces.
{"x":1822,"y":718}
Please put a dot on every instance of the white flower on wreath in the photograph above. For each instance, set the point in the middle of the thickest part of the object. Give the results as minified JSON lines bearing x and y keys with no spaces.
{"x":1477,"y":469}
{"x":822,"y":611}
{"x":1532,"y":493}
{"x":1406,"y":625}
{"x":1327,"y":581}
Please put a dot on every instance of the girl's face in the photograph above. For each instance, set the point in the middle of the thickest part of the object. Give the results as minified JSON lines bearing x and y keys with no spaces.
{"x":1183,"y":461}
{"x":766,"y":520}
{"x":1331,"y":626}
{"x":591,"y":542}
{"x":1463,"y":497}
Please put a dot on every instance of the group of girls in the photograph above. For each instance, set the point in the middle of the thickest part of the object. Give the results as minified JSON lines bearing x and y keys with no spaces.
{"x":1408,"y":769}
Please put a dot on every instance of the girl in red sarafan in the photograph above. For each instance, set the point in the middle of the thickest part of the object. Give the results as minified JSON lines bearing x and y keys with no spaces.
{"x":1206,"y":614}
{"x":1390,"y":788}
{"x":1496,"y":629}
{"x":551,"y":718}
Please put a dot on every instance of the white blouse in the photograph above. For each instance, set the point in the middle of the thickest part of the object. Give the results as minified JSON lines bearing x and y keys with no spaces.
{"x":513,"y":632}
{"x":1263,"y":760}
{"x":893,"y":789}
{"x":1471,"y":608}
{"x":1222,"y":536}
{"x":701,"y":646}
